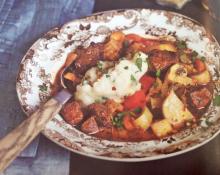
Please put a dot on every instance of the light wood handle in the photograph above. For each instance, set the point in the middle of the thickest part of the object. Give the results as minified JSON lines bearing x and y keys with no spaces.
{"x":13,"y":143}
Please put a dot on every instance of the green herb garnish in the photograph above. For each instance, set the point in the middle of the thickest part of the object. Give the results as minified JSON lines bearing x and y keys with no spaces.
{"x":203,"y":58}
{"x":99,"y":65}
{"x":133,"y":78}
{"x":104,"y":98}
{"x":138,"y":63}
{"x":117,"y":121}
{"x":158,"y":73}
{"x":216,"y":101}
{"x":43,"y":87}
{"x":126,"y":67}
{"x":181,"y":44}
{"x":194,"y":54}
{"x":137,"y":110}
{"x":107,"y":75}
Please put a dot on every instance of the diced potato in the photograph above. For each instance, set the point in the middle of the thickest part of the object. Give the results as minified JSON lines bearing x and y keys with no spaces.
{"x":175,"y":111}
{"x":178,"y":74}
{"x":202,"y":78}
{"x":161,"y":128}
{"x":144,"y":121}
{"x":156,"y":102}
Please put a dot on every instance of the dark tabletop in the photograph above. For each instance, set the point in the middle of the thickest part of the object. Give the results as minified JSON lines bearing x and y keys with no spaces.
{"x":202,"y":161}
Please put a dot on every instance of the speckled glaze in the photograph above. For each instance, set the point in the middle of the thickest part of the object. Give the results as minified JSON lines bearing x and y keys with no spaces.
{"x":43,"y":60}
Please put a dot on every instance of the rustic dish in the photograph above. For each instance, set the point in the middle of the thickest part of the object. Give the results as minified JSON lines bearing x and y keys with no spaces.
{"x":41,"y":63}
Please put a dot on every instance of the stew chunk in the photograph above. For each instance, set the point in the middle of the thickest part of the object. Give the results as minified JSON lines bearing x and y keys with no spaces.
{"x":162,"y":59}
{"x":90,"y":126}
{"x":88,"y":57}
{"x":101,"y":113}
{"x":72,"y":113}
{"x":201,"y":98}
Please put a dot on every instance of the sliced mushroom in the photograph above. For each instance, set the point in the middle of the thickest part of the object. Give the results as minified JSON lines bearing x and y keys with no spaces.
{"x":175,"y":111}
{"x":178,"y":74}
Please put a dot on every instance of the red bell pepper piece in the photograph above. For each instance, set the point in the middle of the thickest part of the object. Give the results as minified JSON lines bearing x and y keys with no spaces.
{"x":146,"y":82}
{"x":139,"y":39}
{"x":133,"y":38}
{"x":136,"y":100}
{"x":199,"y":65}
{"x":128,"y":122}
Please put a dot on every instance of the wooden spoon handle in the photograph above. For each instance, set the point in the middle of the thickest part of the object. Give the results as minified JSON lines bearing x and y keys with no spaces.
{"x":13,"y":143}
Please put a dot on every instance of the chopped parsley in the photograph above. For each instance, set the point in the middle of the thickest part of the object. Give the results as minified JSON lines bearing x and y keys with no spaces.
{"x":107,"y":75}
{"x":117,"y":121}
{"x":194,"y":55}
{"x":104,"y":98}
{"x":137,"y":110}
{"x":181,"y":44}
{"x":158,"y":73}
{"x":138,"y":63}
{"x":133,"y":78}
{"x":126,"y":67}
{"x":203,"y":58}
{"x":216,"y":101}
{"x":100,"y":65}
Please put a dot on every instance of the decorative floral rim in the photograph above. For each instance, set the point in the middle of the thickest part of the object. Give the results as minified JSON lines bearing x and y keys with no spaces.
{"x":36,"y":76}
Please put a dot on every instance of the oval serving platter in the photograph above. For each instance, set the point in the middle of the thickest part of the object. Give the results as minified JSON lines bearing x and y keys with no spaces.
{"x":43,"y":60}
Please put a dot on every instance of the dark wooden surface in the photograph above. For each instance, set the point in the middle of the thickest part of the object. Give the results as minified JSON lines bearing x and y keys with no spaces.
{"x":202,"y":161}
